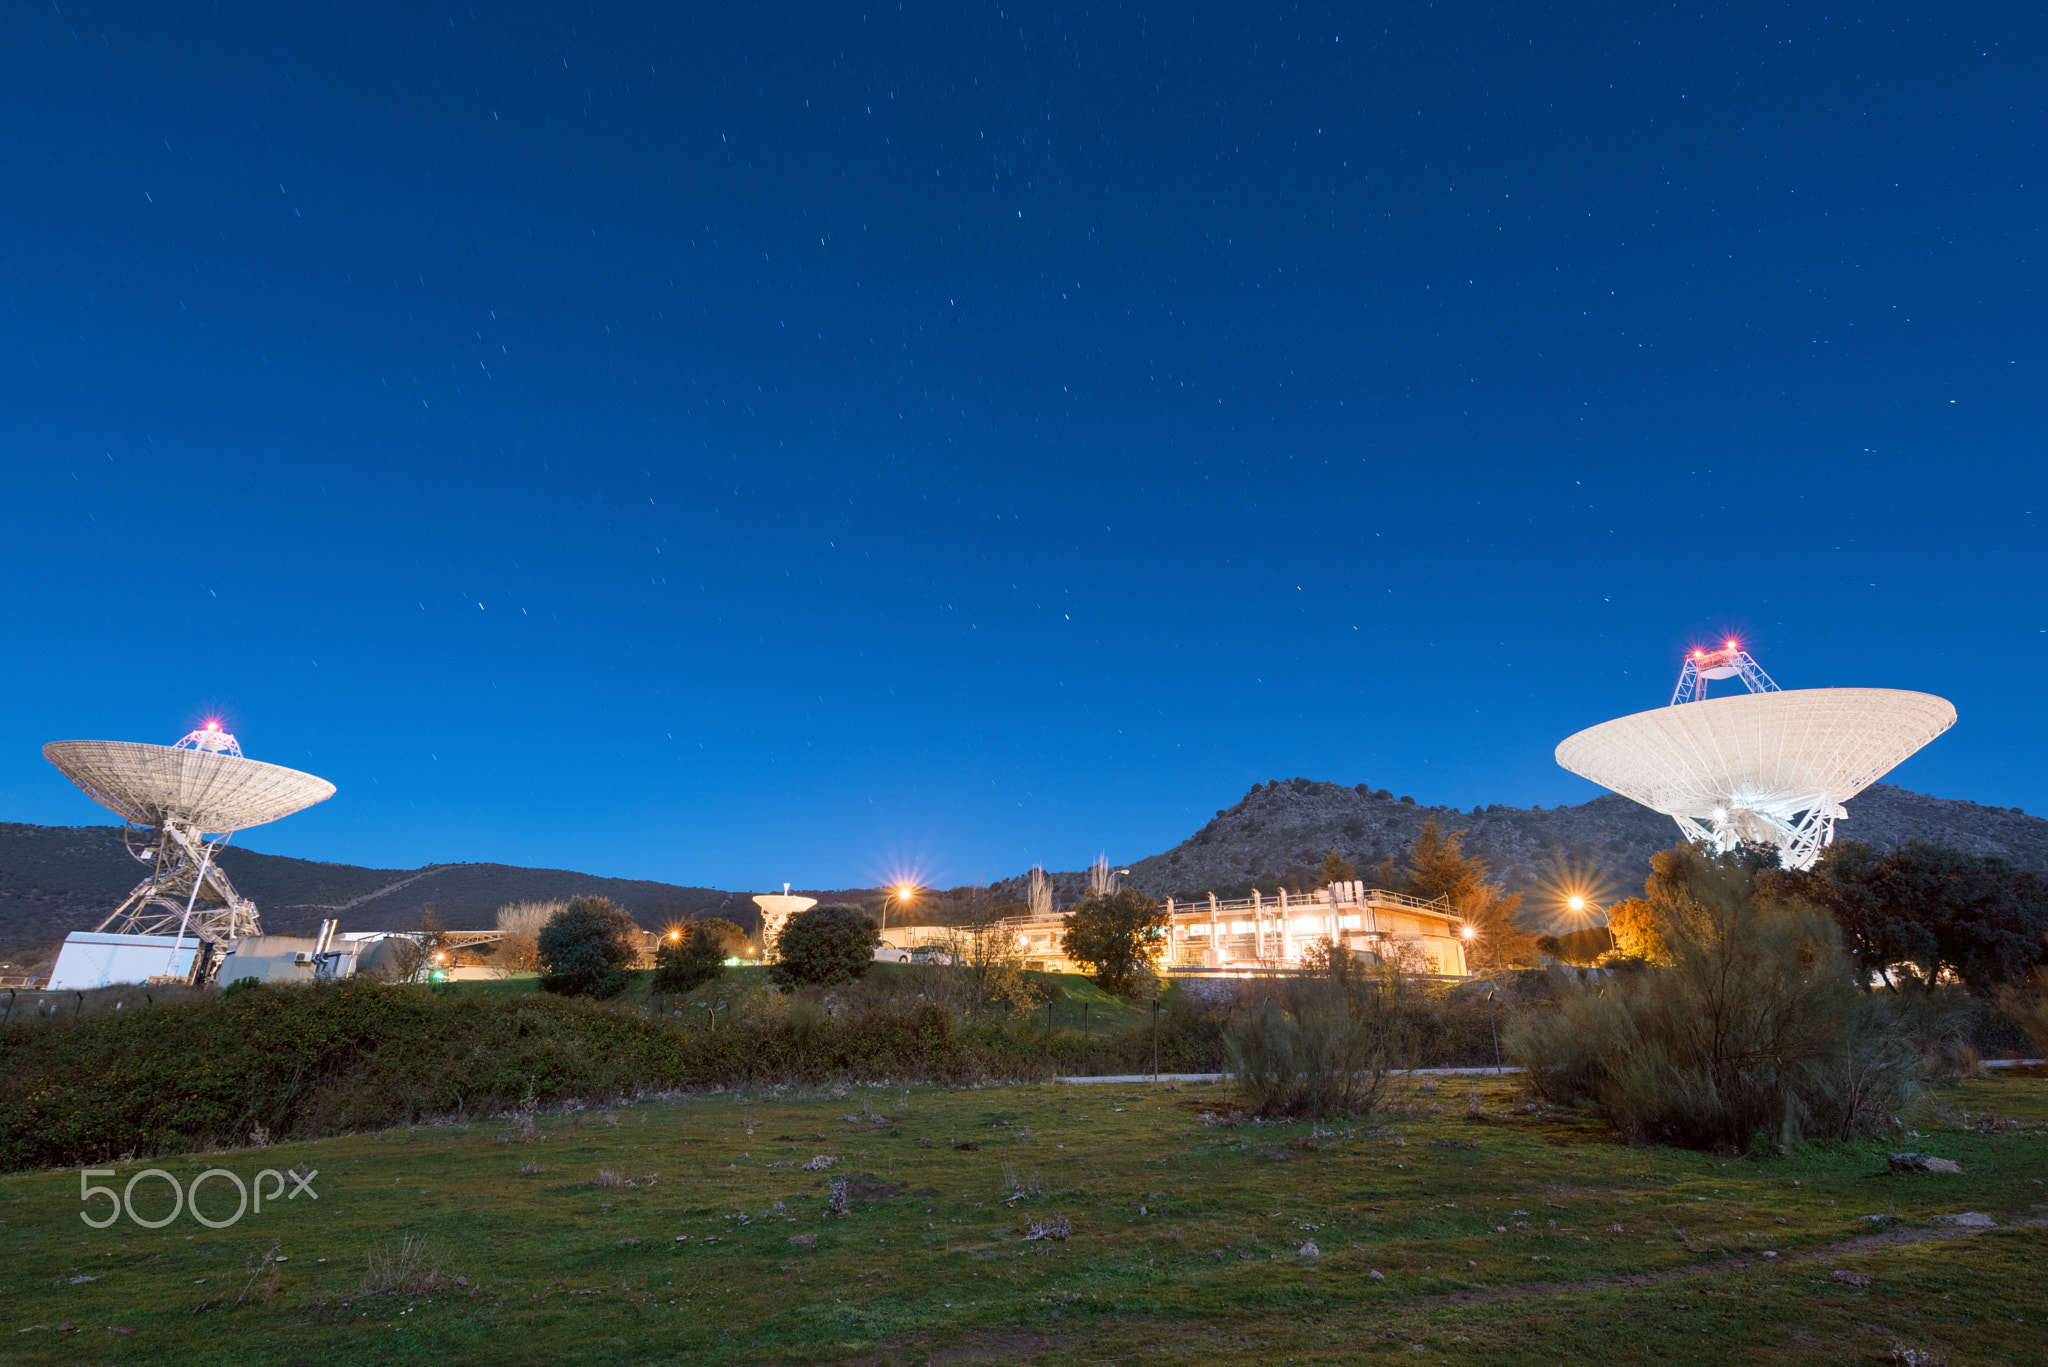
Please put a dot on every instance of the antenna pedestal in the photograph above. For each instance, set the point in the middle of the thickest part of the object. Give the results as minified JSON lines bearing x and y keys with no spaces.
{"x":185,"y":887}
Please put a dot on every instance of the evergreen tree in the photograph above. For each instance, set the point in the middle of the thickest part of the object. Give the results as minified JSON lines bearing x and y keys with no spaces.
{"x":824,"y":947}
{"x":1336,"y":868}
{"x":586,"y":948}
{"x":695,"y":954}
{"x":1438,"y":867}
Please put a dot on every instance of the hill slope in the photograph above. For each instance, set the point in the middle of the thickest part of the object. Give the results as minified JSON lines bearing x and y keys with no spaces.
{"x":1280,"y":831}
{"x":57,"y":879}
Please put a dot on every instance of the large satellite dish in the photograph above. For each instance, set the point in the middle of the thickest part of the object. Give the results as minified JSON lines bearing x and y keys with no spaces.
{"x":1770,"y":767}
{"x":172,"y":797}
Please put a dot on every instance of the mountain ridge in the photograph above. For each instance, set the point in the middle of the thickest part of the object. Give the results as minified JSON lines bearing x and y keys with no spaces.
{"x":1279,"y":831}
{"x":57,"y":879}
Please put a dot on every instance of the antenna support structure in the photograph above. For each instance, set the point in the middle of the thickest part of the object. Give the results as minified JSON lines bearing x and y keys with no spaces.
{"x":1729,"y":662}
{"x":186,"y":892}
{"x":1799,"y":836}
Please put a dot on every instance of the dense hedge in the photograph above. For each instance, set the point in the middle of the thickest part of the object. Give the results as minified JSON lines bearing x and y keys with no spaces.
{"x":301,"y":1062}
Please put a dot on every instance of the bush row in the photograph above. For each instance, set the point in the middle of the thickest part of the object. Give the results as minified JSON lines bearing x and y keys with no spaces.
{"x":302,"y":1062}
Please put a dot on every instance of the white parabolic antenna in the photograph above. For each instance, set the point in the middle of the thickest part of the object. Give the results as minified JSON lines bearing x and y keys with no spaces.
{"x":1769,"y":767}
{"x":172,"y":797}
{"x":776,"y":909}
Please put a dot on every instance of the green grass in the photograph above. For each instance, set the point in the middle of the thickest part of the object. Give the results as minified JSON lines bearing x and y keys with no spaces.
{"x":1185,"y":1247}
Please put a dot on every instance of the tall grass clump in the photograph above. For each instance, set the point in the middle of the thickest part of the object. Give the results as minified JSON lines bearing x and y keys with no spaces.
{"x":1321,"y":1049}
{"x":1747,"y":1027}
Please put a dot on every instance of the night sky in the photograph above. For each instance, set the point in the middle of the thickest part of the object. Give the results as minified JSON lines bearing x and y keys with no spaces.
{"x":811,"y":443}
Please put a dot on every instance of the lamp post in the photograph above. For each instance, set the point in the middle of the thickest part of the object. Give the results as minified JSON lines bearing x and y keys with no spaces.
{"x":900,"y":895}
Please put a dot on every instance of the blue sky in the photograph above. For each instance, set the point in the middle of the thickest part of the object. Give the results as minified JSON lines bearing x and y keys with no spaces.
{"x":811,"y":443}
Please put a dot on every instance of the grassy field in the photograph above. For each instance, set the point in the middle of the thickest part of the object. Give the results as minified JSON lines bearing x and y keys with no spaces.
{"x":1462,"y":1228}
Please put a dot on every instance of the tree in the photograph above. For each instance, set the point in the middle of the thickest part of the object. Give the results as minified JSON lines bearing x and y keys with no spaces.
{"x":1336,"y":868}
{"x":824,"y":947}
{"x":1639,"y":925}
{"x":1923,"y":909}
{"x":1119,"y":938}
{"x":1634,"y":928}
{"x":694,"y":954}
{"x":1579,"y":947}
{"x":519,"y":923}
{"x":984,"y":958}
{"x":586,"y":948}
{"x":408,"y":956}
{"x":1438,"y":867}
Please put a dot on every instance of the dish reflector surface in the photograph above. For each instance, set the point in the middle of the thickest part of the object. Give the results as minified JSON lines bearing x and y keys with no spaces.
{"x":1782,"y":752}
{"x":208,"y":791}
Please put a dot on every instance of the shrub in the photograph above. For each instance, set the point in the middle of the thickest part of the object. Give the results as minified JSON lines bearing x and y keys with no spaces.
{"x":1325,"y":1054}
{"x":691,"y":955}
{"x":241,"y":985}
{"x":2029,"y":1011}
{"x":1751,"y":1029}
{"x":335,"y":1058}
{"x":824,"y":947}
{"x":586,"y":948}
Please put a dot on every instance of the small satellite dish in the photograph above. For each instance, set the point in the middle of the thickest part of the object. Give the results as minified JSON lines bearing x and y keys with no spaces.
{"x":776,"y":909}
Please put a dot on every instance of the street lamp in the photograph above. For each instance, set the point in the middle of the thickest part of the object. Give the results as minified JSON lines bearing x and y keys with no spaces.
{"x":899,"y":894}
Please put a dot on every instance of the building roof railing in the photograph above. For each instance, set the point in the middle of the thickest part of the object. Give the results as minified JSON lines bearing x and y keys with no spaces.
{"x":1338,"y":897}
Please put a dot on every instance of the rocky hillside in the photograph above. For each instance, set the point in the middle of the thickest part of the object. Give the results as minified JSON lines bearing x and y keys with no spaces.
{"x":1279,"y":831}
